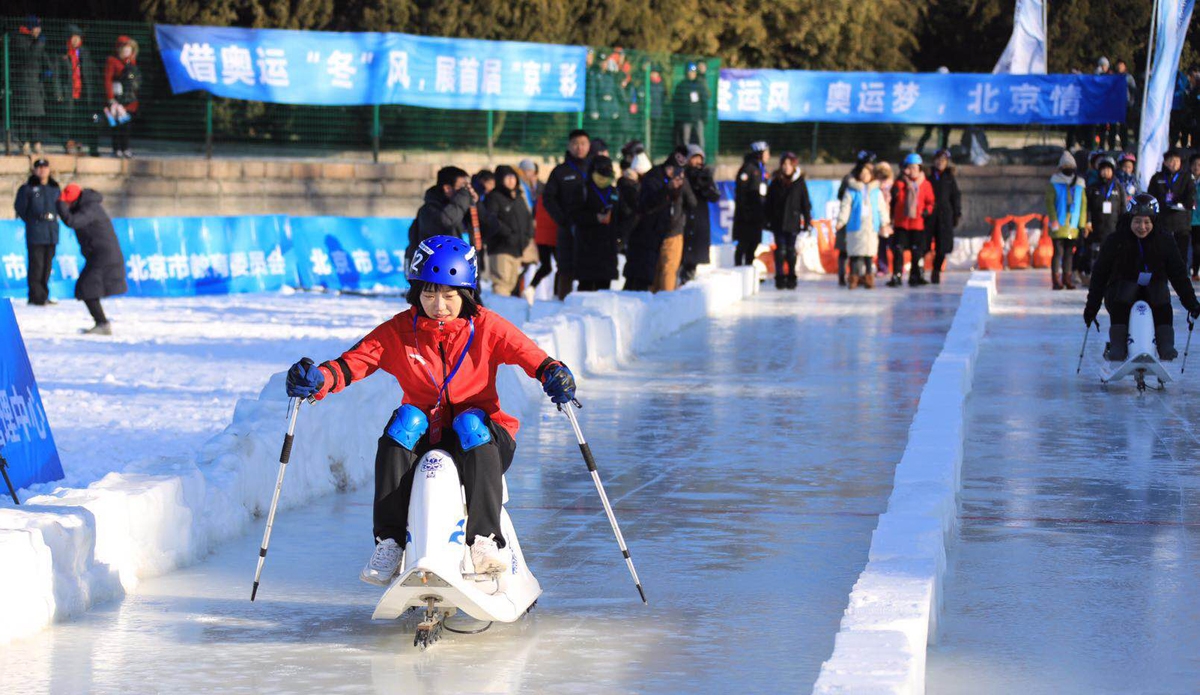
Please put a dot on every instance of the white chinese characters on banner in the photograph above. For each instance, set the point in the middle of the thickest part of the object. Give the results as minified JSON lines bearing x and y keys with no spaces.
{"x":200,"y":62}
{"x":1024,"y":98}
{"x":1064,"y":101}
{"x":749,"y":95}
{"x":237,"y":65}
{"x":870,"y":97}
{"x":983,"y":99}
{"x":568,"y":80}
{"x":14,"y":267}
{"x":398,"y":69}
{"x":22,"y":417}
{"x":340,"y":67}
{"x":444,"y":74}
{"x":777,"y":96}
{"x":272,"y":67}
{"x":468,"y":75}
{"x":492,"y":80}
{"x":904,"y":96}
{"x":837,"y":99}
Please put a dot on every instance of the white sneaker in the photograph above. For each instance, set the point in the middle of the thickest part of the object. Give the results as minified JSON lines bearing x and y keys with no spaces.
{"x":486,"y":557}
{"x":383,"y":563}
{"x":529,"y":293}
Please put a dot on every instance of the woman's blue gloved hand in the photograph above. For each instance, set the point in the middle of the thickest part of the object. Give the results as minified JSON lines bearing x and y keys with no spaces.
{"x":304,"y":379}
{"x":559,"y":383}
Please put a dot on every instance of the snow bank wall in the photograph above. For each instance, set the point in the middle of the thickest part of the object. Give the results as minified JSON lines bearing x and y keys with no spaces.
{"x":64,"y":552}
{"x":893,"y":608}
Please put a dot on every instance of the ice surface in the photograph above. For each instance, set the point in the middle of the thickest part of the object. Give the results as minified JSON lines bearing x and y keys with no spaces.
{"x":747,"y":457}
{"x":1078,"y":562}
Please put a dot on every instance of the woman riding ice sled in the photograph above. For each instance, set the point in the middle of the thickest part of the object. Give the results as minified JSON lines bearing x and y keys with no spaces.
{"x":1135,"y":263}
{"x":444,"y":351}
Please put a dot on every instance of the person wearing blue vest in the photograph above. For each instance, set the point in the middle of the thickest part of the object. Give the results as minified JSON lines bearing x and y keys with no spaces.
{"x":862,"y":216}
{"x":1066,"y":206}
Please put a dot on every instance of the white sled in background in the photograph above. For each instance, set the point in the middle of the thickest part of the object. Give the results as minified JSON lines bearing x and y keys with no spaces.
{"x":1142,"y":359}
{"x":437,"y":576}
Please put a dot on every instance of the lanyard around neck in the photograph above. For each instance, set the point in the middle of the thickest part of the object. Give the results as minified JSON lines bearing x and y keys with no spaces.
{"x":442,"y":390}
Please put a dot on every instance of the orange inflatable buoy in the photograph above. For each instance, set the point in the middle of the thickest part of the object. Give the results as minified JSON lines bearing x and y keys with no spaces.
{"x":1044,"y":253}
{"x":1018,"y":255}
{"x":827,"y":245}
{"x":991,"y":256}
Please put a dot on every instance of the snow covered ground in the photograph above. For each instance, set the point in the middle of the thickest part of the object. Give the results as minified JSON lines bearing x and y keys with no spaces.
{"x":1077,"y":565}
{"x":748,"y":457}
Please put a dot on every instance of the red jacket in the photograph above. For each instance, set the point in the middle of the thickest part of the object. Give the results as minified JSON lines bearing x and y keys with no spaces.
{"x":410,"y":355}
{"x":900,"y":192}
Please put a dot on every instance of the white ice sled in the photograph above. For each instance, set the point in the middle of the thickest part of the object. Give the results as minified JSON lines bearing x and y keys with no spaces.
{"x":437,"y":574}
{"x":1142,"y":359}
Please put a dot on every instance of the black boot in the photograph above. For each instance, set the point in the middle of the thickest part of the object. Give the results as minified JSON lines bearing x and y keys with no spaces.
{"x":791,"y":282}
{"x":896,"y":281}
{"x":1118,"y":343}
{"x":1164,"y":338}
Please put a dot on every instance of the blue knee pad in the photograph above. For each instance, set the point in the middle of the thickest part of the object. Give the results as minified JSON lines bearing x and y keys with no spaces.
{"x":471,"y":428}
{"x":407,"y":425}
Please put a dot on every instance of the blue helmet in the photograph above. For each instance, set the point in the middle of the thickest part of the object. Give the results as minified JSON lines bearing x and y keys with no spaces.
{"x":913,"y":158}
{"x":1142,"y":205}
{"x":444,"y":260}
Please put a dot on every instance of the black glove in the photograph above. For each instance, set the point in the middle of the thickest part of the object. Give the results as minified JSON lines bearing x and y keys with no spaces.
{"x":1089,"y":315}
{"x":304,"y":379}
{"x":559,"y":383}
{"x":1194,"y":312}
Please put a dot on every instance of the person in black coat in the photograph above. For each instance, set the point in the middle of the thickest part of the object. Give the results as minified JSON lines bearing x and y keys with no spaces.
{"x":509,"y":231}
{"x":1106,"y":203}
{"x":36,"y":206}
{"x":661,"y":191}
{"x":596,"y":234}
{"x":697,"y":235}
{"x":31,"y":70}
{"x":446,"y":210}
{"x":1135,"y":263}
{"x":1176,"y":196}
{"x":750,"y":194}
{"x":788,"y":212}
{"x":947,"y":211}
{"x":103,"y":273}
{"x":562,"y":197}
{"x":77,"y":91}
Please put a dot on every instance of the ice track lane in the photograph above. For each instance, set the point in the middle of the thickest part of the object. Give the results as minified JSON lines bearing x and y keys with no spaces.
{"x":747,"y":459}
{"x":1077,"y":565}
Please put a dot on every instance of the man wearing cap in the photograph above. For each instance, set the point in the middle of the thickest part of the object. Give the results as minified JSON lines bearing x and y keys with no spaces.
{"x":35,"y":206}
{"x":750,"y":194}
{"x":691,"y":107}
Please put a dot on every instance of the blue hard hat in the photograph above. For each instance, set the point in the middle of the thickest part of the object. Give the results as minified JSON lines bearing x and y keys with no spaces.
{"x":444,"y":260}
{"x":913,"y":158}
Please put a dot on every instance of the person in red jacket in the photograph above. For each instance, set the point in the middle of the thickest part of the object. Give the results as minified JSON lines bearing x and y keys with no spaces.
{"x":122,"y":80}
{"x":912,"y":202}
{"x":444,"y":351}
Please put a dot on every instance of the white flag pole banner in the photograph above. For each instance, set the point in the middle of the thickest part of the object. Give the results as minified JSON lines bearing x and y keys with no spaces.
{"x":1025,"y":53}
{"x":1171,"y":20}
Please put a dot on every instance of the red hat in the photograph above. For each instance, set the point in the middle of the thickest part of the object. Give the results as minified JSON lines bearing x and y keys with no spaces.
{"x":71,"y":193}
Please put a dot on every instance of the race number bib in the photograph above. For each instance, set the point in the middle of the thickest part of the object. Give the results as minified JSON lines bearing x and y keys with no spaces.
{"x":762,"y":189}
{"x":695,"y":97}
{"x":1106,"y":208}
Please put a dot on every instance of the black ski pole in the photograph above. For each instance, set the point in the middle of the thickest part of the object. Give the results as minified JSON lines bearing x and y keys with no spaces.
{"x":293,"y":409}
{"x":1086,"y":332}
{"x":1191,"y":325}
{"x":612,"y":519}
{"x":8,"y":481}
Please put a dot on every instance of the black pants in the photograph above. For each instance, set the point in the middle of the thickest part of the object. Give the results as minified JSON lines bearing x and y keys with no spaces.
{"x":97,"y":311}
{"x":1064,"y":257}
{"x":939,"y":260}
{"x":564,"y":255}
{"x":481,"y":471}
{"x":632,"y":285}
{"x":78,"y":125}
{"x":594,"y":285}
{"x":545,"y":267}
{"x":785,"y":254}
{"x":41,"y":260}
{"x":744,"y":253}
{"x":1118,"y":312}
{"x":687,"y":273}
{"x":1183,"y":241}
{"x":914,"y":241}
{"x":121,"y":134}
{"x":1195,"y":249}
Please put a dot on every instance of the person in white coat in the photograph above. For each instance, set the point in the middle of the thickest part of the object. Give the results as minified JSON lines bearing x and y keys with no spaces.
{"x":863,"y":216}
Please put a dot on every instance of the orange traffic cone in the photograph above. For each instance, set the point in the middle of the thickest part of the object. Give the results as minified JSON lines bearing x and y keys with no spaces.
{"x":1018,"y":255}
{"x":827,"y":245}
{"x":991,"y":256}
{"x":1044,"y":253}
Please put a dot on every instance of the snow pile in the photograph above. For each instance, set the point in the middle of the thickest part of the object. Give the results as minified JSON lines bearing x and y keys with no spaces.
{"x":893,"y":607}
{"x":63,"y":552}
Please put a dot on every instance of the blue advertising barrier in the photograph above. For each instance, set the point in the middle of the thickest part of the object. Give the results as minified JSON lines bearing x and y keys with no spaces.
{"x":25,"y":438}
{"x":187,"y":256}
{"x":352,"y":69}
{"x":787,"y":96}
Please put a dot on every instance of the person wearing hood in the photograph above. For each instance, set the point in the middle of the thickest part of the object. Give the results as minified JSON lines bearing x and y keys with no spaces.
{"x":31,"y":71}
{"x":864,"y":158}
{"x":697,"y":235}
{"x":1127,"y":175}
{"x":635,"y":163}
{"x":562,"y":197}
{"x":1173,"y":189}
{"x":76,"y":90}
{"x":596,"y":233}
{"x":670,"y":252}
{"x":122,"y":81}
{"x":446,"y":210}
{"x":750,"y":195}
{"x":947,"y":211}
{"x":103,"y":273}
{"x":660,"y":201}
{"x":1066,"y":206}
{"x":511,"y":230}
{"x":37,"y":207}
{"x":1136,"y":262}
{"x":862,"y":216}
{"x":788,"y":212}
{"x":1106,"y":203}
{"x":912,"y":203}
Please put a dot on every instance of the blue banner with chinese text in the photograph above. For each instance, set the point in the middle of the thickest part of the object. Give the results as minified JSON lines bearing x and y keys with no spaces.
{"x":353,"y":69}
{"x":25,"y":438}
{"x":786,"y":96}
